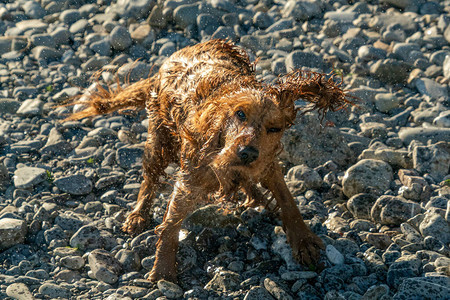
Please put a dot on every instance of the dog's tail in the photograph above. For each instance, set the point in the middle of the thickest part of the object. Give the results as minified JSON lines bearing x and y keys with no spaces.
{"x":107,"y":100}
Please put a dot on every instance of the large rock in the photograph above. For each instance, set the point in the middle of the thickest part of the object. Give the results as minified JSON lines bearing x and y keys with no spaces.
{"x":433,"y":159}
{"x":308,"y":143}
{"x":104,"y":266}
{"x":301,"y":59}
{"x":423,"y":135}
{"x":224,"y":281}
{"x":9,"y":106}
{"x":436,"y":226}
{"x":309,"y":176}
{"x":392,"y":210}
{"x":368,"y":175}
{"x":431,"y":88}
{"x":302,"y":10}
{"x":56,"y":144}
{"x":360,"y":205}
{"x":74,"y":184}
{"x":12,"y":232}
{"x":423,"y":288}
{"x":390,"y":71}
{"x":31,"y":108}
{"x":28,"y":177}
{"x":19,"y":291}
{"x":135,"y":9}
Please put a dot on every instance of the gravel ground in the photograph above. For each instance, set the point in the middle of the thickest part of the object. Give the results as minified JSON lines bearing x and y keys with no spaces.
{"x":374,"y":185}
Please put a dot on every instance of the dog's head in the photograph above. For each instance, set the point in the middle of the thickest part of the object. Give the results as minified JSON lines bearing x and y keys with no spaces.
{"x":240,"y":131}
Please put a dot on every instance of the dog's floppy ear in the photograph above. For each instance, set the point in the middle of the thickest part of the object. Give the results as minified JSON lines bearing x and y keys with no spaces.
{"x":322,"y":92}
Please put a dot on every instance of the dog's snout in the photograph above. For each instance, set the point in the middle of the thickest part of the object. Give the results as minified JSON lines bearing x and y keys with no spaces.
{"x":248,"y":154}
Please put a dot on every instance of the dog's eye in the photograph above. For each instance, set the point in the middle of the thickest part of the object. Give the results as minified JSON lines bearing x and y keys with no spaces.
{"x":241,"y":115}
{"x":273,"y":129}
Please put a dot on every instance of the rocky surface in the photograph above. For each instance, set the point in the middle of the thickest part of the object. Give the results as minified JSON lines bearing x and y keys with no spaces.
{"x":375,"y":185}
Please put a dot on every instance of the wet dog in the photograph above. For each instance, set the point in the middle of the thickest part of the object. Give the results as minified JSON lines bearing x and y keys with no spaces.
{"x":209,"y":114}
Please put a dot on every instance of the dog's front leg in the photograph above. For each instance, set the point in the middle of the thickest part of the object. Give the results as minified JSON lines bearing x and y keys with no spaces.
{"x":181,"y":204}
{"x":305,"y":244}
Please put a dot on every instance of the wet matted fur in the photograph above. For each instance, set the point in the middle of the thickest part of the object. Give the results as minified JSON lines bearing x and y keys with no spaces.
{"x":209,"y":114}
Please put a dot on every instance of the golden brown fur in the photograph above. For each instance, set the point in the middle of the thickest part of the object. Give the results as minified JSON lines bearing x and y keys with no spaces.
{"x":210,"y":114}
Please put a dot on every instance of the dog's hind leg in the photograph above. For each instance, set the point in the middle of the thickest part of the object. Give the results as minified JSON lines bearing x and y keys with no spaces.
{"x":305,"y":244}
{"x":158,"y":153}
{"x":182,"y":203}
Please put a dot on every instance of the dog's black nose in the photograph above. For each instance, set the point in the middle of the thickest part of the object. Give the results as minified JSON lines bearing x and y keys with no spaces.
{"x":248,"y":154}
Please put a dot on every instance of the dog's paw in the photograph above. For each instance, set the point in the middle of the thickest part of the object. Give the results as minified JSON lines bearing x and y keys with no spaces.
{"x":158,"y":274}
{"x":135,"y":224}
{"x":306,"y":247}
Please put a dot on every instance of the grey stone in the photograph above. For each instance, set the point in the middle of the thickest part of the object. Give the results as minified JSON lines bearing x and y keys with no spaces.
{"x":431,"y":88}
{"x":170,"y":289}
{"x":87,"y":237}
{"x":129,"y":156}
{"x":367,"y":175}
{"x":435,"y":225}
{"x":120,"y":38}
{"x":12,"y":232}
{"x":74,"y":184}
{"x":373,"y":129}
{"x":95,"y":63}
{"x":104,"y":266}
{"x":54,"y":291}
{"x":276,"y":290}
{"x":70,"y":220}
{"x":102,"y":47}
{"x":434,"y":159}
{"x":56,"y":144}
{"x":301,"y":59}
{"x":405,"y":50}
{"x":258,"y":293}
{"x":43,"y":39}
{"x":69,"y":16}
{"x":79,"y":26}
{"x":186,"y":14}
{"x":360,"y":205}
{"x":72,"y":262}
{"x":438,"y":57}
{"x":33,"y":10}
{"x":9,"y":106}
{"x":61,"y":35}
{"x":392,"y":210}
{"x":423,"y":135}
{"x":386,"y":102}
{"x":224,"y":281}
{"x":225,"y":32}
{"x":446,"y":65}
{"x":129,"y":260}
{"x":46,"y":53}
{"x":35,"y":24}
{"x":396,"y":158}
{"x":442,"y":120}
{"x":157,"y":18}
{"x":420,"y":288}
{"x":307,"y":143}
{"x":390,"y":71}
{"x":262,"y":20}
{"x":28,"y":177}
{"x":136,"y":9}
{"x":382,"y":21}
{"x":370,"y":53}
{"x":333,"y":255}
{"x":31,"y":108}
{"x":19,"y":291}
{"x":309,"y":176}
{"x":302,"y":10}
